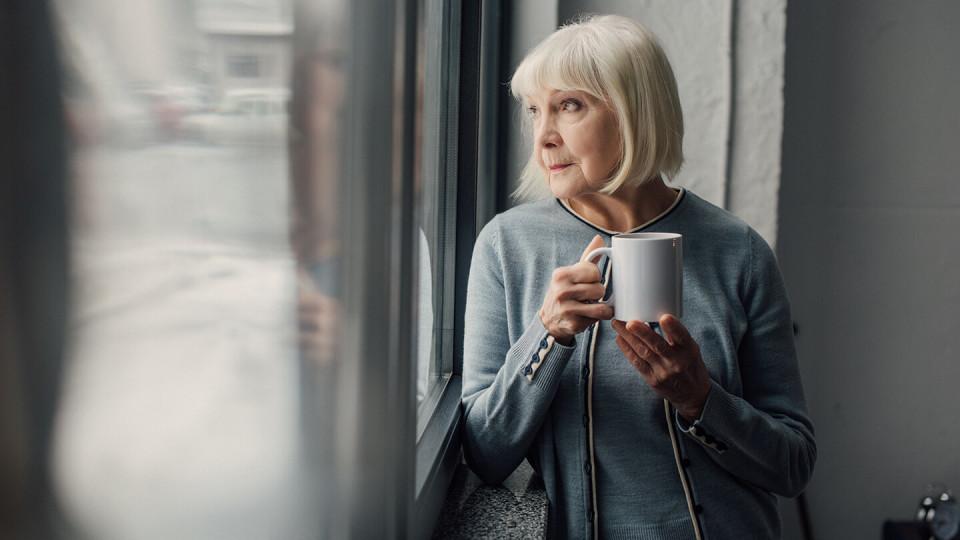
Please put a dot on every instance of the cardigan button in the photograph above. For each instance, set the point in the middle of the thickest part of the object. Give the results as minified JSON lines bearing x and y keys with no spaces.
{"x":543,"y":343}
{"x":527,"y":370}
{"x":586,"y":371}
{"x":721,"y":447}
{"x":587,"y":468}
{"x":698,"y":431}
{"x":590,"y":515}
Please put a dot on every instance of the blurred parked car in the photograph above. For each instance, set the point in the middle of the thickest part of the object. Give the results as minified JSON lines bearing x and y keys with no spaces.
{"x":169,"y":104}
{"x":247,"y":116}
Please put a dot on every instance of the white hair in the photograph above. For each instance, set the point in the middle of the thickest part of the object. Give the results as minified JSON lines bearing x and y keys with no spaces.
{"x":621,"y":63}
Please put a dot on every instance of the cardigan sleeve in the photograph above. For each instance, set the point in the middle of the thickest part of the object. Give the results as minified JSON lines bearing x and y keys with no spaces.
{"x":507,"y":387}
{"x":765,"y":436}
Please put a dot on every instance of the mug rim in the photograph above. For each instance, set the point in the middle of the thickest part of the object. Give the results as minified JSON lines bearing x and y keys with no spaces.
{"x":648,"y":236}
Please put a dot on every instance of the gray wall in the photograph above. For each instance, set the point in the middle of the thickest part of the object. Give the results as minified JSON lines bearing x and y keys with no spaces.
{"x":530,"y":21}
{"x":869,"y":217}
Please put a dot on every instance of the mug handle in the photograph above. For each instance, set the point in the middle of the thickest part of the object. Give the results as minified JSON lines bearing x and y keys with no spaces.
{"x":596,"y":254}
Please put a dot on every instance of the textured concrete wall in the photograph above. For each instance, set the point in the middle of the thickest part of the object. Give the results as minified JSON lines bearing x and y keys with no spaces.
{"x":754,"y":176}
{"x":728,"y":59}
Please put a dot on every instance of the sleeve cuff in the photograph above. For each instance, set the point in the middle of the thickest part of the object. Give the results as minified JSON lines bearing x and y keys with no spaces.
{"x":701,"y":429}
{"x":542,"y":358}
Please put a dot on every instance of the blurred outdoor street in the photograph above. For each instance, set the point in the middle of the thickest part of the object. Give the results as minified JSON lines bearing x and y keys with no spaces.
{"x":180,"y":410}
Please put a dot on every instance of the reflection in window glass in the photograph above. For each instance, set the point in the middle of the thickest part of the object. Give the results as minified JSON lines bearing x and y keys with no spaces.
{"x":429,"y":178}
{"x":318,"y":107}
{"x":180,"y":412}
{"x":423,"y":270}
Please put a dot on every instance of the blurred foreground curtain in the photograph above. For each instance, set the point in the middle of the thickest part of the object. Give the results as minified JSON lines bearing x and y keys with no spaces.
{"x":33,"y":264}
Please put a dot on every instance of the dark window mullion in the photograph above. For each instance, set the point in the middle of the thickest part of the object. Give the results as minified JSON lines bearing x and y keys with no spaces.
{"x":491,"y":181}
{"x":451,"y":181}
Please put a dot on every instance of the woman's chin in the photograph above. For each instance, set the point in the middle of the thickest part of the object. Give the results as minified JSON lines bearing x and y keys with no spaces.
{"x":563,"y":188}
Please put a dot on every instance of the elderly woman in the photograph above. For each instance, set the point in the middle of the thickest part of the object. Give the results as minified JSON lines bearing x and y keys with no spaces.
{"x":685,"y":433}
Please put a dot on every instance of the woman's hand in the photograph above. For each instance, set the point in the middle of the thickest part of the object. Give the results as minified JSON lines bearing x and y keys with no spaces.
{"x":570,"y":304}
{"x":318,"y":316}
{"x":672,"y":367}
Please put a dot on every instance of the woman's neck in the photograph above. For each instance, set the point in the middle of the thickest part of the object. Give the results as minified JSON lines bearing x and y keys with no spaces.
{"x":627,"y":208}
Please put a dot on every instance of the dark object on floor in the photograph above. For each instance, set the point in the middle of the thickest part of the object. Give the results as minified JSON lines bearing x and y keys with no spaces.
{"x":905,"y":530}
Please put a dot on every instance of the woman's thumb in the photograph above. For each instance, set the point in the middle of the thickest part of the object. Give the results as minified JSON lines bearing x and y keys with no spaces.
{"x":597,"y":242}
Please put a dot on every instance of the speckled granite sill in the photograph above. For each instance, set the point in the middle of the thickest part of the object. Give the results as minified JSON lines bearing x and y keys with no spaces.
{"x":516,"y":509}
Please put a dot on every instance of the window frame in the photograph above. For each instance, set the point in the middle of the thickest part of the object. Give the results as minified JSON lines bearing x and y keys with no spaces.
{"x":438,"y":429}
{"x":474,"y":150}
{"x":383,"y":495}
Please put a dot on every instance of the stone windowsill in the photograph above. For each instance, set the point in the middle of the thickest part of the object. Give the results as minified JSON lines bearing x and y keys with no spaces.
{"x":515,"y":509}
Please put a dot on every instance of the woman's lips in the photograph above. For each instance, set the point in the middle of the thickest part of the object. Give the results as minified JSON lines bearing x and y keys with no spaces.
{"x":558,"y":168}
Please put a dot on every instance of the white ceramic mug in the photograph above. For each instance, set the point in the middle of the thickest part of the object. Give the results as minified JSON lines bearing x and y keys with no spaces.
{"x":647,"y":275}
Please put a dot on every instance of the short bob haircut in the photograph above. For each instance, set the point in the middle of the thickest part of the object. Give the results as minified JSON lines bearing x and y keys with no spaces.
{"x":621,"y":63}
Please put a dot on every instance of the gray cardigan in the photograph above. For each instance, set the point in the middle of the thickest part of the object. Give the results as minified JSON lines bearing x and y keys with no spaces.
{"x":586,"y":420}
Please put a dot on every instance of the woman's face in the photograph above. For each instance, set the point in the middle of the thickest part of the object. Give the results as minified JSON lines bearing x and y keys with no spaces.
{"x":576,"y":140}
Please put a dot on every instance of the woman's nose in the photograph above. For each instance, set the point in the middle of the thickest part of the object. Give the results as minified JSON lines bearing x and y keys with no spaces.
{"x":547,"y":135}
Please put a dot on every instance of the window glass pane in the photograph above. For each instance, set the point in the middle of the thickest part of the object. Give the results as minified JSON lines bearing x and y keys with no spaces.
{"x":180,"y":415}
{"x":429,"y":195}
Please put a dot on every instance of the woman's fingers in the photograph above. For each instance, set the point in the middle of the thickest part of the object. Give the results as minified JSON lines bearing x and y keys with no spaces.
{"x":596,"y":312}
{"x":675,"y":332}
{"x":630,"y":339}
{"x":631,"y":355}
{"x":570,"y":304}
{"x":582,"y":272}
{"x":675,"y":372}
{"x":574,"y":317}
{"x":651,"y":339}
{"x":595,"y":242}
{"x":584,"y":292}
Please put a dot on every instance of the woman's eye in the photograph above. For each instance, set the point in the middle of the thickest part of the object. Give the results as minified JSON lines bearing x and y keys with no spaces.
{"x":570,"y":105}
{"x":532,"y":111}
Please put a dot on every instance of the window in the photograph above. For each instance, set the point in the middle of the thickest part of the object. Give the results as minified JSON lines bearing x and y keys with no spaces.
{"x":243,"y":66}
{"x":266,"y":306}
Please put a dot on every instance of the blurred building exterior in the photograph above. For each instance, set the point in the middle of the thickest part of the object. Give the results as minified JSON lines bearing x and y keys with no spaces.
{"x":246,"y":43}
